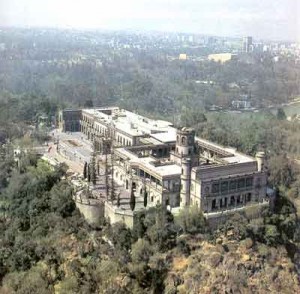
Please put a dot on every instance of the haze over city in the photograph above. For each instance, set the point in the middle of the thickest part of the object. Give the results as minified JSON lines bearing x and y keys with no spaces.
{"x":262,"y":19}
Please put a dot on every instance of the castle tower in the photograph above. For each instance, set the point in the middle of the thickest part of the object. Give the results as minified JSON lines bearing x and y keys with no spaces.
{"x":185,"y":142}
{"x":260,"y":158}
{"x":185,"y":178}
{"x":186,"y":156}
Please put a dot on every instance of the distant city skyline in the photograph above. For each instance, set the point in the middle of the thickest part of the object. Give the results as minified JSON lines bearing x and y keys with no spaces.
{"x":268,"y":19}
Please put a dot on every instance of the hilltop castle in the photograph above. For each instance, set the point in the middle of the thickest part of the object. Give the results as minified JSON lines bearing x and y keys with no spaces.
{"x":172,"y":166}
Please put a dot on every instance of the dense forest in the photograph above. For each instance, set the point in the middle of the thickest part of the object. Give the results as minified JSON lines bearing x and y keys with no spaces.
{"x":45,"y":244}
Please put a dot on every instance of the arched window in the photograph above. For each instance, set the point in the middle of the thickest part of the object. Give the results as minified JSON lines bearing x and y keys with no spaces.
{"x":133,"y":186}
{"x":183,"y":140}
{"x":213,"y":204}
{"x":232,"y":201}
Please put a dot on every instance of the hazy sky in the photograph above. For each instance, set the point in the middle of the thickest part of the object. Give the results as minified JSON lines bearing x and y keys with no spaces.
{"x":276,"y":19}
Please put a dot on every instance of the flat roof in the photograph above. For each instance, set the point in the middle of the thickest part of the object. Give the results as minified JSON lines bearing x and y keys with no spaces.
{"x":129,"y":122}
{"x":233,"y":156}
{"x":166,"y":137}
{"x":169,"y":169}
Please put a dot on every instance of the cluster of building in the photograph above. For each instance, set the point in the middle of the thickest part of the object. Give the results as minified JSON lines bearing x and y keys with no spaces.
{"x":173,"y":167}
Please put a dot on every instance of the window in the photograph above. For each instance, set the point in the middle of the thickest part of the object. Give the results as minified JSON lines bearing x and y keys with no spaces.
{"x":258,"y":183}
{"x":224,"y":186}
{"x":232,"y":201}
{"x":249,"y":197}
{"x":166,"y":184}
{"x":183,"y":140}
{"x":192,"y":187}
{"x":206,"y":190}
{"x":241,"y":183}
{"x":232,"y":185}
{"x":216,"y":188}
{"x":213,"y":204}
{"x":249,"y":182}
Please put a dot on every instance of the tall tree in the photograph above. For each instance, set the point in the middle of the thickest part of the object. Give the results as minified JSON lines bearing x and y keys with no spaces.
{"x":145,"y":198}
{"x":118,"y":200}
{"x":112,"y":183}
{"x":85,"y":170}
{"x":281,"y":114}
{"x":93,"y":172}
{"x":89,"y":174}
{"x":132,"y":199}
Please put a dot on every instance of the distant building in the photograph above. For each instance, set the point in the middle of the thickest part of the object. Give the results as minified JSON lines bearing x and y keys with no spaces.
{"x":247,"y":44}
{"x":183,"y":56}
{"x":222,"y":57}
{"x":241,"y":104}
{"x":191,"y":39}
{"x":266,"y":48}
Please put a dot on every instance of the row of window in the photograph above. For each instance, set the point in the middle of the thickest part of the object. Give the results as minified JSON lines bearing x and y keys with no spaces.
{"x":100,"y":129}
{"x":86,"y":119}
{"x":226,"y":186}
{"x":123,"y":141}
{"x":232,"y":201}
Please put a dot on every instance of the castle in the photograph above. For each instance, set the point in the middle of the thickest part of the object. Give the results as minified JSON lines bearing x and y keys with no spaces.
{"x":172,"y":167}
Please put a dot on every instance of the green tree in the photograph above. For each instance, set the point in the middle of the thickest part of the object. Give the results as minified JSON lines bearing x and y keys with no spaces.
{"x":132,"y":199}
{"x":85,"y":170}
{"x":118,"y":200}
{"x":191,"y":220}
{"x":145,"y":197}
{"x":281,"y":114}
{"x":92,"y":169}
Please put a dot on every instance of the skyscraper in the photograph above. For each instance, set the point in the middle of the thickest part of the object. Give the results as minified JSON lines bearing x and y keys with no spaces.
{"x":247,"y":44}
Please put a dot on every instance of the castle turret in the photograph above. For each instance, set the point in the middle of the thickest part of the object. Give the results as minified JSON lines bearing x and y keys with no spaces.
{"x":185,"y":142}
{"x":260,"y":158}
{"x":185,"y":182}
